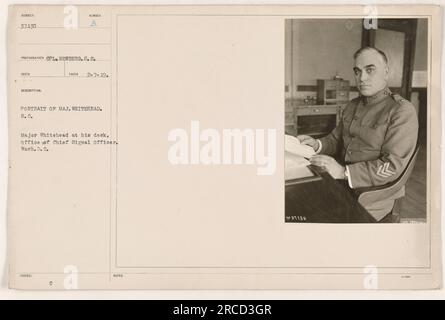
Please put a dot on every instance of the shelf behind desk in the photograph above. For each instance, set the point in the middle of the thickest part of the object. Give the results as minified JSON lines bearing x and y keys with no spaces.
{"x":314,"y":120}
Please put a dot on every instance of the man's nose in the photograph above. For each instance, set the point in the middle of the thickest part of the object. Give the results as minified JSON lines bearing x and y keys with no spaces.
{"x":363,"y":76}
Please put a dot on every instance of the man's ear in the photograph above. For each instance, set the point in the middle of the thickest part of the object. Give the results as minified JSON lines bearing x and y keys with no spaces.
{"x":386,"y":71}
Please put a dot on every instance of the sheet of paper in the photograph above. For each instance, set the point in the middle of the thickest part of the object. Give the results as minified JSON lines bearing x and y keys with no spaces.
{"x":293,"y":145}
{"x":295,"y":167}
{"x":147,"y":151}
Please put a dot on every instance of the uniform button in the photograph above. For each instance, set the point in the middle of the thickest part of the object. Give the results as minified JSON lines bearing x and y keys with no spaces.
{"x":350,"y":152}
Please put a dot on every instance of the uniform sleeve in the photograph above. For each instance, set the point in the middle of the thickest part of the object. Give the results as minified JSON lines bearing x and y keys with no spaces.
{"x":398,"y":146}
{"x":330,"y":143}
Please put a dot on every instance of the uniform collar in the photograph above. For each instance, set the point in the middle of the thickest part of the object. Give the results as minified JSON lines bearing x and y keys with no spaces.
{"x":379,"y":96}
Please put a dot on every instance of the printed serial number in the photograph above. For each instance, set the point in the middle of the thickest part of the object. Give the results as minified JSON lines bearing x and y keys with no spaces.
{"x":240,"y":309}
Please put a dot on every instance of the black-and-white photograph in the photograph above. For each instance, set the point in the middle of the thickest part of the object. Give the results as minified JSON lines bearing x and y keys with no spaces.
{"x":356,"y":114}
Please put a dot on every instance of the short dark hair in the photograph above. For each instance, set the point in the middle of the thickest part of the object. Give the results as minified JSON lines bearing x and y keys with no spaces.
{"x":364,"y":49}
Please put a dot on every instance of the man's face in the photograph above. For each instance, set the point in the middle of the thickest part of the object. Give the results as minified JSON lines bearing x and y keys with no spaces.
{"x":371,"y":73}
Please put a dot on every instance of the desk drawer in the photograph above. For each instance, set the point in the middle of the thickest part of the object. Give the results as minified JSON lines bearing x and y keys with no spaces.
{"x":314,"y":110}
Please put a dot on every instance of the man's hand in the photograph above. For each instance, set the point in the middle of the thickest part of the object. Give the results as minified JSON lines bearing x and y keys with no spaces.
{"x":309,"y":141}
{"x":336,"y":170}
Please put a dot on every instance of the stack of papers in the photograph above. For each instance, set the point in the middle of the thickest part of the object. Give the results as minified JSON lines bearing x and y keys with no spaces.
{"x":295,"y":159}
{"x":293,"y":145}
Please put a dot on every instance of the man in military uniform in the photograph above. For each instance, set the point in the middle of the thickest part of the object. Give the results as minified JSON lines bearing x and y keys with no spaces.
{"x":375,"y":137}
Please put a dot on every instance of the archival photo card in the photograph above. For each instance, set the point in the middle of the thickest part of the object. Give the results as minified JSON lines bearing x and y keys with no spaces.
{"x":224,"y":147}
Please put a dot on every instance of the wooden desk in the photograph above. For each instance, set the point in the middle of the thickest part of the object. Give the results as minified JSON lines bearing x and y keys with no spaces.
{"x":325,"y":200}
